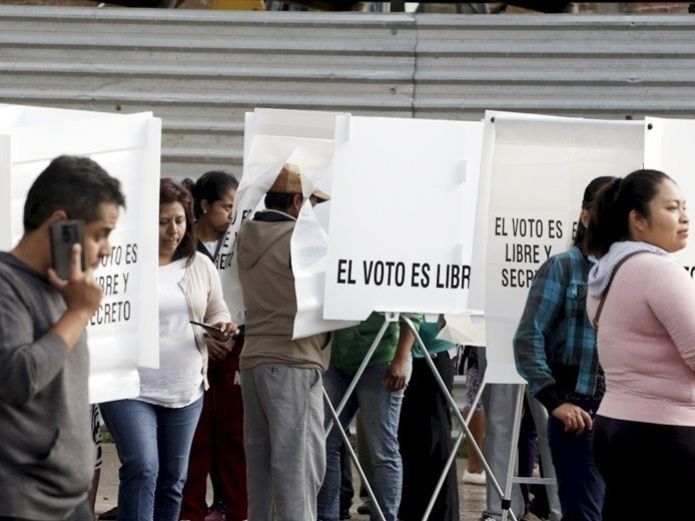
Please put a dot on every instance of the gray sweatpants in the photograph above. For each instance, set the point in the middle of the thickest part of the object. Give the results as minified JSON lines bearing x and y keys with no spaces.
{"x":284,"y":440}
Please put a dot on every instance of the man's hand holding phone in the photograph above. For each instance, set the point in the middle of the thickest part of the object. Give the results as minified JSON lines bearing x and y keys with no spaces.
{"x":80,"y":291}
{"x":82,"y":296}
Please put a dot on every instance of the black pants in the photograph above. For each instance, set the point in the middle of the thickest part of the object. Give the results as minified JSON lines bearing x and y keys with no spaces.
{"x":580,"y":485}
{"x":649,"y":469}
{"x":424,"y":434}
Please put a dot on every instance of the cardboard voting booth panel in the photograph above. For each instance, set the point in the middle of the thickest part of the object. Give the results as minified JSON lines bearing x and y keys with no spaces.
{"x":536,"y":173}
{"x":271,"y":139}
{"x":402,"y":216}
{"x":124,"y":332}
{"x":668,"y":146}
{"x":467,"y":329}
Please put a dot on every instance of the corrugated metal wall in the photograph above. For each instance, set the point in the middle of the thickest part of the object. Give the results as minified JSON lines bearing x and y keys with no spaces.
{"x":590,"y":65}
{"x":201,"y":70}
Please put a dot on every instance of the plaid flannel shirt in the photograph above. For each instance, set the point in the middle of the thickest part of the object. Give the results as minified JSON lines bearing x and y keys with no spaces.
{"x":554,"y":344}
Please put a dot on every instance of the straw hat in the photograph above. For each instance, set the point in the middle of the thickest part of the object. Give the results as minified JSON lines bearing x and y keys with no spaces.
{"x":288,"y":180}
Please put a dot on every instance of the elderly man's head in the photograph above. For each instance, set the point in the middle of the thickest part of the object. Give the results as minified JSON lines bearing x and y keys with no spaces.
{"x":285,"y":194}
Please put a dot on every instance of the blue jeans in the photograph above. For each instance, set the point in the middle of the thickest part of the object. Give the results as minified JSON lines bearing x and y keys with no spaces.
{"x":153,"y":444}
{"x":580,"y":485}
{"x":379,"y":411}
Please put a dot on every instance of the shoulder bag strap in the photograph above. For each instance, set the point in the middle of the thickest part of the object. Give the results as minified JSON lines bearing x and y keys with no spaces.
{"x":605,"y":292}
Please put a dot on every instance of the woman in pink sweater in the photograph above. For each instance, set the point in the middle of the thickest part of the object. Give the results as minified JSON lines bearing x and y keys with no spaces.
{"x":643,"y":305}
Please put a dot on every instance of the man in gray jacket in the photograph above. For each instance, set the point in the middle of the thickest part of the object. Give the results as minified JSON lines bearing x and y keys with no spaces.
{"x":281,"y":381}
{"x":47,"y":453}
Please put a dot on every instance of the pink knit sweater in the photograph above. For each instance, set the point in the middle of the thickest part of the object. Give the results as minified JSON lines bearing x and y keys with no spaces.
{"x":646,"y":342}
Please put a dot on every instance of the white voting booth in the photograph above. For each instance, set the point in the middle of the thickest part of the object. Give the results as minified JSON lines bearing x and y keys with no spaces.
{"x":420,"y":178}
{"x":533,"y":177}
{"x":534,"y":181}
{"x":272,"y":138}
{"x":124,"y":332}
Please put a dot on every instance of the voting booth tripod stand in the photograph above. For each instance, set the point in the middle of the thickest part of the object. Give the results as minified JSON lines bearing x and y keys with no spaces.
{"x":511,"y":479}
{"x":389,"y":318}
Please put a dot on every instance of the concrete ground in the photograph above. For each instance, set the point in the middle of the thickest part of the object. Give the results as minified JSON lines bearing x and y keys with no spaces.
{"x":472,"y":498}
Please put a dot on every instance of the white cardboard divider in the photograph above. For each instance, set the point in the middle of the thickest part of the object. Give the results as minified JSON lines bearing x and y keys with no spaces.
{"x":402,"y":216}
{"x":124,"y":333}
{"x":271,"y":139}
{"x":668,"y":146}
{"x":535,"y":176}
{"x":466,"y":329}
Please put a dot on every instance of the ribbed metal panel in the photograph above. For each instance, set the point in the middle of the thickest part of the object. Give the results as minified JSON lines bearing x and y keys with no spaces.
{"x":593,"y":66}
{"x":201,"y":70}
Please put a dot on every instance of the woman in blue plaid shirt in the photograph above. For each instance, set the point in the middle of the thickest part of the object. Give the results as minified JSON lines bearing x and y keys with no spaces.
{"x":555,"y":351}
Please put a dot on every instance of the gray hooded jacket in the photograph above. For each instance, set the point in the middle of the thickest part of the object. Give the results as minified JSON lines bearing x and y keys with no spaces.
{"x":267,"y":282}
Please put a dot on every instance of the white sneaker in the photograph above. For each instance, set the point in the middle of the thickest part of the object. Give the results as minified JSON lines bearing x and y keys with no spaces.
{"x":474,"y":478}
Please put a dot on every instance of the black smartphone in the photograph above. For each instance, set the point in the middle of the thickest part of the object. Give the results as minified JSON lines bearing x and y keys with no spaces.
{"x":211,"y":330}
{"x":64,"y":234}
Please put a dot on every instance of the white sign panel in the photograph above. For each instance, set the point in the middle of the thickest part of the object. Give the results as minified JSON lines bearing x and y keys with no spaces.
{"x":668,"y":146}
{"x":402,"y":218}
{"x":271,"y":139}
{"x":309,"y":247}
{"x":124,"y":332}
{"x":537,"y":173}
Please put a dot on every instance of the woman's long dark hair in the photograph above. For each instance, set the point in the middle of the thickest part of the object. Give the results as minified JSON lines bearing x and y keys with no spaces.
{"x":589,"y":194}
{"x":172,"y":192}
{"x":612,"y":205}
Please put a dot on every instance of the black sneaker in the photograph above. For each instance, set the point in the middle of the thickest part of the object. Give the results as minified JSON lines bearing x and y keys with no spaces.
{"x":111,"y":514}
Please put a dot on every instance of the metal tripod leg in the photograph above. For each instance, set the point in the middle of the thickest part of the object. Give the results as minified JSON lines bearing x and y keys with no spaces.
{"x":335,"y":412}
{"x":360,"y":369}
{"x":353,"y":456}
{"x":506,"y":502}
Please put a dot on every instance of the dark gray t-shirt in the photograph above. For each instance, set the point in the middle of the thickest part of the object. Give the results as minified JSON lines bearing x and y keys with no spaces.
{"x":46,"y":449}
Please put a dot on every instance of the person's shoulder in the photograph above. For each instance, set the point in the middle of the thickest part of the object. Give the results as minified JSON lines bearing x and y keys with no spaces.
{"x":647,"y":260}
{"x":570,"y":256}
{"x":561,"y":263}
{"x":6,"y":263}
{"x":656,"y":272}
{"x":202,"y":261}
{"x":14,"y":290}
{"x":202,"y":269}
{"x":8,"y":283}
{"x":9,"y":274}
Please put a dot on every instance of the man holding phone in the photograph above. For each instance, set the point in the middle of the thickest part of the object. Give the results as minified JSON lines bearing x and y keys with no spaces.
{"x":46,"y":454}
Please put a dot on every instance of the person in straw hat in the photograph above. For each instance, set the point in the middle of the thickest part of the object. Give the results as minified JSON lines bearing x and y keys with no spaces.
{"x":281,"y":378}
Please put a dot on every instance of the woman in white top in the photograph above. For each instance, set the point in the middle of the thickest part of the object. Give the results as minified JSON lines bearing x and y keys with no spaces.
{"x":218,"y":444}
{"x":153,"y":433}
